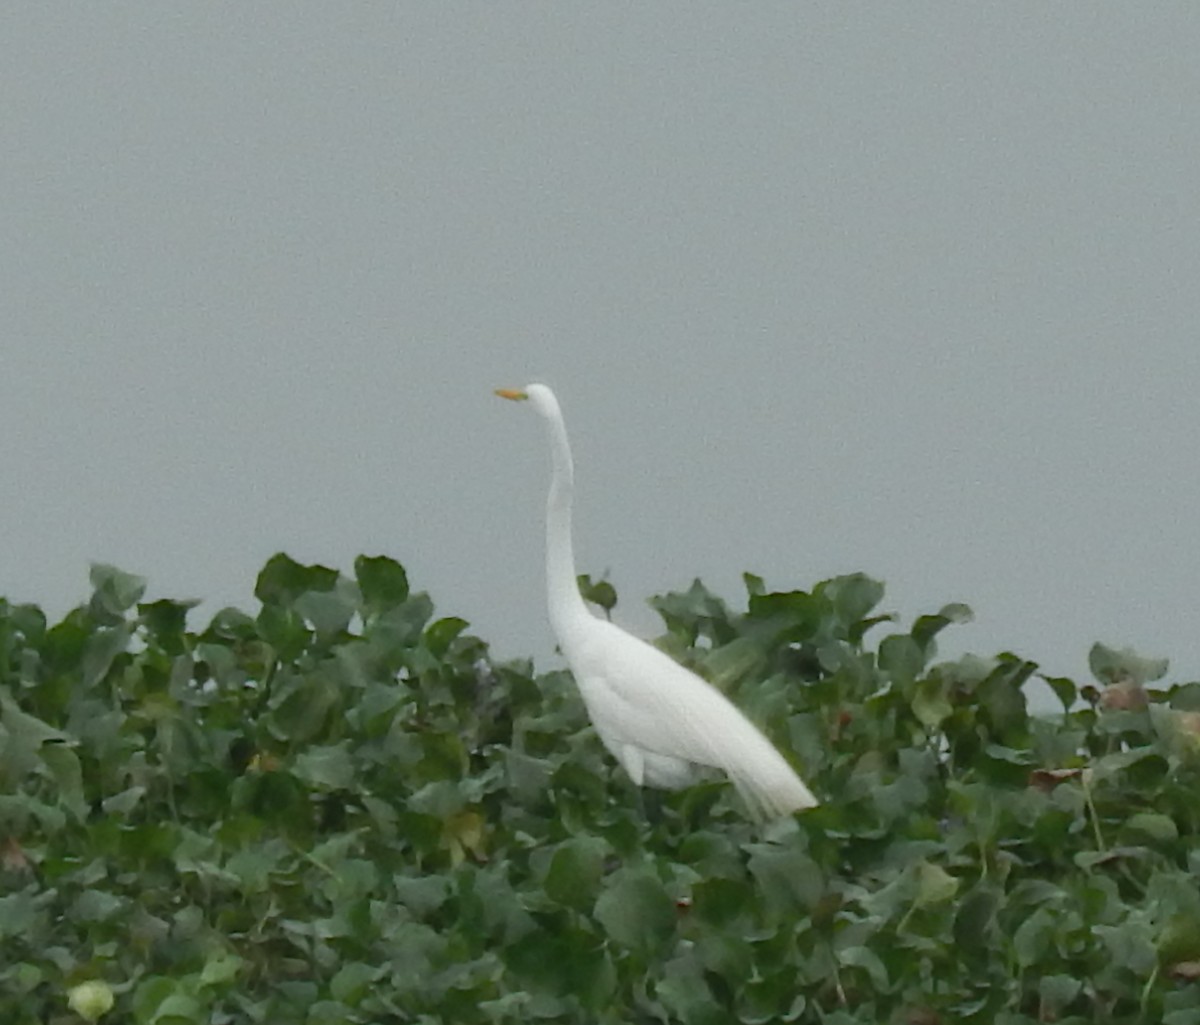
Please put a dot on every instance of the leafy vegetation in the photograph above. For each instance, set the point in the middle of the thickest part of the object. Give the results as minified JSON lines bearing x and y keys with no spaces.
{"x":341,"y":810}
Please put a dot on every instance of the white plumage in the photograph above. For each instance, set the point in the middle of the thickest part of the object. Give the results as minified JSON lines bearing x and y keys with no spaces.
{"x":657,"y":718}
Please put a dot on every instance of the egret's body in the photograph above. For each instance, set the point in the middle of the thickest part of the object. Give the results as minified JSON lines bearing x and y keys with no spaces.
{"x":657,"y":718}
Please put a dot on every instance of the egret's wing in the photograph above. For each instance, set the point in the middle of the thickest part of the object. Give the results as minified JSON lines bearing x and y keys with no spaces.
{"x":644,"y":697}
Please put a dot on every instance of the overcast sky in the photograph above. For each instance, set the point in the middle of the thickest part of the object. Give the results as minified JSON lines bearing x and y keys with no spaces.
{"x":909,"y":289}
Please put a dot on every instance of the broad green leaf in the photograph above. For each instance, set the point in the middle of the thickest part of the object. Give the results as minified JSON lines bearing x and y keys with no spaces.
{"x":283,"y":580}
{"x":925,"y":628}
{"x":740,"y":659}
{"x":789,"y":878}
{"x":575,"y":871}
{"x":22,"y":737}
{"x":421,"y":895}
{"x":329,"y":766}
{"x":220,"y":968}
{"x":930,"y":704}
{"x":96,"y":906}
{"x":636,"y":911}
{"x":1033,"y":936}
{"x":974,"y":919}
{"x":124,"y":802}
{"x":353,"y":981}
{"x":101,"y":650}
{"x":1057,"y":991}
{"x":901,"y":658}
{"x":853,"y":596}
{"x":862,"y":957}
{"x":792,"y":614}
{"x":68,"y":774}
{"x":934,"y":884}
{"x":1186,"y":697}
{"x":598,"y":592}
{"x":328,"y":611}
{"x":1154,"y":825}
{"x":383,"y":582}
{"x":440,"y":634}
{"x":113,"y":592}
{"x":90,"y":1000}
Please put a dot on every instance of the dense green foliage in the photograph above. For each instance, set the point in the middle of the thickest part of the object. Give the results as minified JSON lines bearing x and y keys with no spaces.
{"x":341,"y":810}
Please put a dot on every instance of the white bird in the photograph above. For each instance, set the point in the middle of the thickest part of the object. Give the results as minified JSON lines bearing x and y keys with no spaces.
{"x":658,"y":719}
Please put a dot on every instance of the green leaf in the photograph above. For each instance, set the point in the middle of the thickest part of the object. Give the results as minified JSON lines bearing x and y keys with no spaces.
{"x":790,"y":879}
{"x":575,"y":871}
{"x":901,"y":658}
{"x":68,"y":774}
{"x":330,"y":767}
{"x":22,"y":736}
{"x":100,"y":652}
{"x":421,"y":895}
{"x":96,"y":906}
{"x":282,"y":580}
{"x":934,"y":884}
{"x":440,"y":634}
{"x":973,"y":922}
{"x":853,"y":596}
{"x":220,"y":969}
{"x":178,"y":1009}
{"x":1032,"y":938}
{"x":1179,"y":940}
{"x":1154,"y":825}
{"x":123,"y":803}
{"x":113,"y":593}
{"x":793,"y":614}
{"x":1057,"y":991}
{"x":1186,"y":697}
{"x":1001,"y":696}
{"x":930,"y":704}
{"x":862,"y":957}
{"x":90,"y":1000}
{"x":301,"y":707}
{"x":925,"y":628}
{"x":1064,"y":689}
{"x":383,"y":582}
{"x":329,"y":611}
{"x":742,"y":658}
{"x":598,"y":592}
{"x":353,"y":981}
{"x":636,"y":911}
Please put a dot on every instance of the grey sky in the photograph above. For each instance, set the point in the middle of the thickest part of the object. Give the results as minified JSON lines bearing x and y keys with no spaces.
{"x":910,"y":289}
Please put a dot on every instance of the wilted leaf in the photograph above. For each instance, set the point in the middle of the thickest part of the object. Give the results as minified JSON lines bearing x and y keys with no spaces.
{"x":1111,"y":666}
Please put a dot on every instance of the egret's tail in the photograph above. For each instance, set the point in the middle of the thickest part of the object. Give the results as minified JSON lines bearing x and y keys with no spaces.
{"x":768,"y":784}
{"x":772,"y":791}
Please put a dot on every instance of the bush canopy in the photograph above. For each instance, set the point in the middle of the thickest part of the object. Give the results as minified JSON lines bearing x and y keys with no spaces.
{"x":342,"y":810}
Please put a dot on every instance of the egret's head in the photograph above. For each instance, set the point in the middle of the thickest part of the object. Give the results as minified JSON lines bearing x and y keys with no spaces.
{"x":538,"y":396}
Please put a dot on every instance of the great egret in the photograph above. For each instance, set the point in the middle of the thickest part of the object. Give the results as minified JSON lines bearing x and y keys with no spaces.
{"x":658,"y":719}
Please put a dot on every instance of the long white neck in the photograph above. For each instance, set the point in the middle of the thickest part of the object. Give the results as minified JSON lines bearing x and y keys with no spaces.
{"x":567,"y":609}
